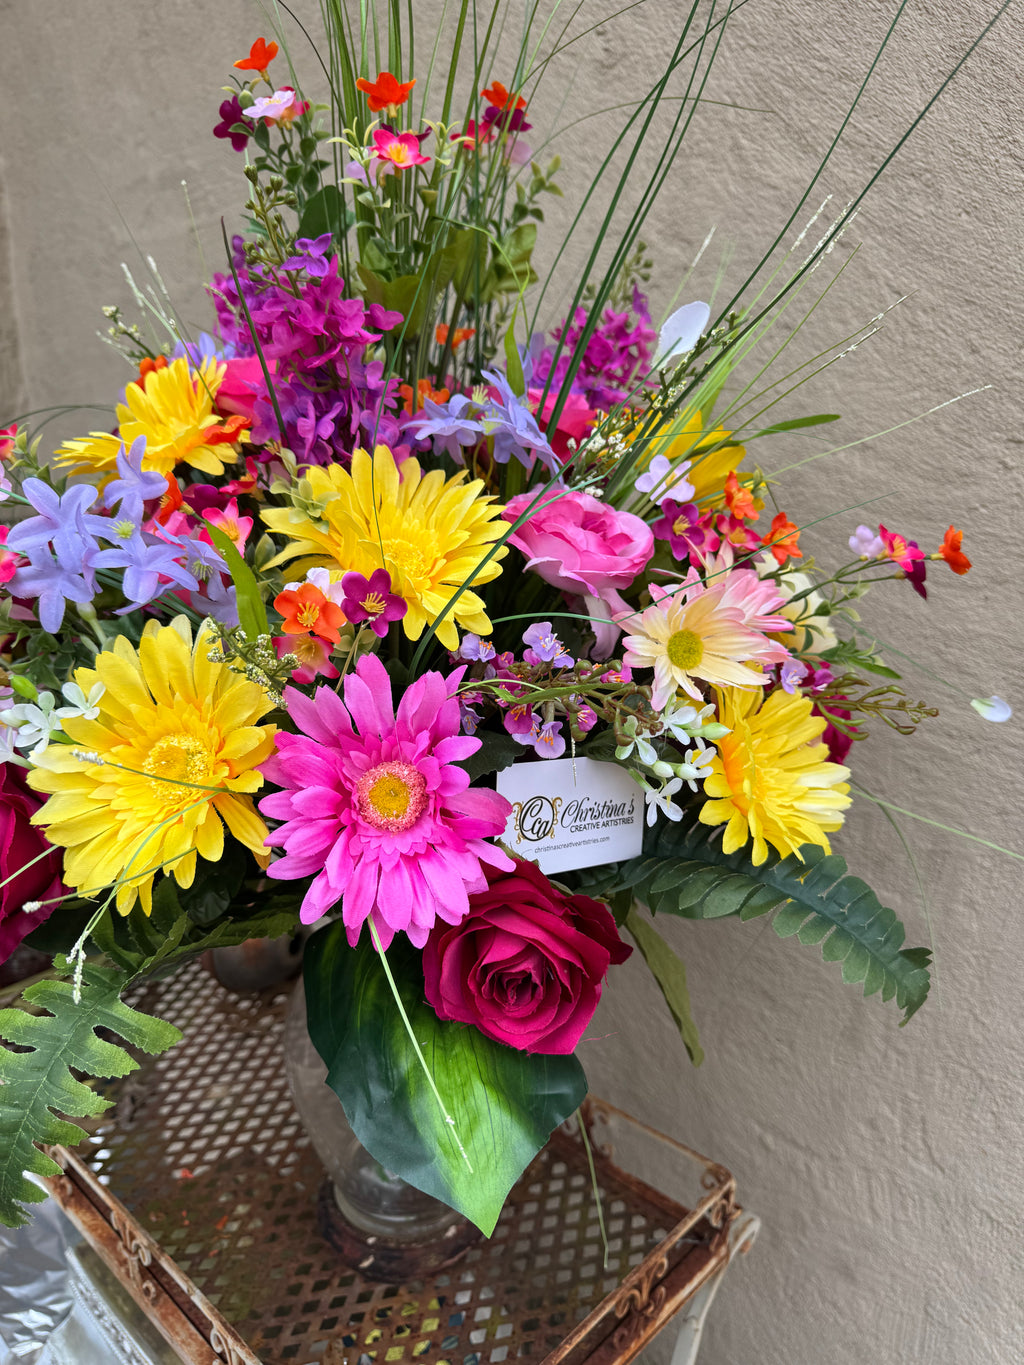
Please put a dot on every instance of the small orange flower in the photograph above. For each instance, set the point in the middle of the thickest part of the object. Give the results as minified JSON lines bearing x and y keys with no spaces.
{"x":497,"y":95}
{"x":782,"y":539}
{"x":306,"y":609}
{"x":461,"y":334}
{"x":739,"y":499}
{"x":386,"y":92}
{"x":170,"y":501}
{"x":423,"y":390}
{"x":950,"y":551}
{"x":261,"y":54}
{"x":150,"y":365}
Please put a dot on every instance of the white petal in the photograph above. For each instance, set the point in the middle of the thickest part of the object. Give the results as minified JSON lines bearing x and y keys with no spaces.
{"x":681,"y":332}
{"x":992,"y":708}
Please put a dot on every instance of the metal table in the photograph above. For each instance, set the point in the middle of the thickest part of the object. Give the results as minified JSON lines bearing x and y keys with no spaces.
{"x":198,"y":1192}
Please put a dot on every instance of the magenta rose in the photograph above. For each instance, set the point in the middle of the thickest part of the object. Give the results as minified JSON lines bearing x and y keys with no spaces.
{"x":585,"y":547}
{"x":20,"y":843}
{"x":526,"y":964}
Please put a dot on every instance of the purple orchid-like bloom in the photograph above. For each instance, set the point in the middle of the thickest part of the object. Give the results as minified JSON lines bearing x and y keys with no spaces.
{"x":520,"y":722}
{"x":545,"y":647}
{"x":312,"y":255}
{"x":618,"y":356}
{"x":316,"y":430}
{"x":687,"y":529}
{"x":447,"y":425}
{"x":513,"y":426}
{"x":791,"y":675}
{"x":133,"y":487}
{"x":548,"y":740}
{"x":474,"y":650}
{"x":371,"y":600}
{"x":231,"y":117}
{"x":586,"y":719}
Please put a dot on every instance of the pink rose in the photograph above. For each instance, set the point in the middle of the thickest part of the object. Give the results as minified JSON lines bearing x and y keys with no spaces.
{"x":525,"y":965}
{"x":585,"y":547}
{"x":20,"y":843}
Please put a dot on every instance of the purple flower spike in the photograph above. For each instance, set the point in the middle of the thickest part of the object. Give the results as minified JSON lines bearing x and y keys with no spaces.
{"x":312,"y":256}
{"x":371,"y":600}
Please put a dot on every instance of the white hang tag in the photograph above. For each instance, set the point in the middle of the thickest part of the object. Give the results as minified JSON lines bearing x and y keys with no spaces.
{"x":570,"y":813}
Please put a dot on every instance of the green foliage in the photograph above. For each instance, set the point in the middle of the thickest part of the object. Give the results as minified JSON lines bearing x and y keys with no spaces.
{"x":497,"y":750}
{"x":684,"y":872}
{"x":325,"y":211}
{"x":503,"y":1103}
{"x":140,"y":944}
{"x":38,"y":1084}
{"x":795,"y":423}
{"x":669,"y":971}
{"x":252,"y":615}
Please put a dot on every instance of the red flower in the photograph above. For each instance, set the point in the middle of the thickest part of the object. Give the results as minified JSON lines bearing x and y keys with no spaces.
{"x":150,"y":365}
{"x":170,"y":501}
{"x":261,"y":54}
{"x":20,"y":843}
{"x":424,"y":389}
{"x":461,"y":334}
{"x":950,"y":551}
{"x":386,"y":92}
{"x":908,"y":555}
{"x":782,"y":539}
{"x":499,"y":97}
{"x":526,"y":964}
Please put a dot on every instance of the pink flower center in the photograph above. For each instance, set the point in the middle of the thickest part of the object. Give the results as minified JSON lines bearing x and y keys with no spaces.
{"x":391,"y":796}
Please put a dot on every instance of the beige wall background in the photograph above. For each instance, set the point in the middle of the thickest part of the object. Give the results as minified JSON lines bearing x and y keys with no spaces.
{"x":885,"y":1163}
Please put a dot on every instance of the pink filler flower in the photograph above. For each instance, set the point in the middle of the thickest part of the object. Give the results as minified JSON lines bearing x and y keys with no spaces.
{"x":374,"y":803}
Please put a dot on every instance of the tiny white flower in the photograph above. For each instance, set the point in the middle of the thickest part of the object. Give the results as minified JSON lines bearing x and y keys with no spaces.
{"x":662,"y":800}
{"x":85,"y":707}
{"x":36,"y":723}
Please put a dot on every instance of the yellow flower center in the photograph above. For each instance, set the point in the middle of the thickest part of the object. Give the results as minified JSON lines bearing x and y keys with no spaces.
{"x":391,"y":796}
{"x":176,"y":759}
{"x":308,"y":615}
{"x":372,"y":604}
{"x":408,"y":557}
{"x":685,"y":649}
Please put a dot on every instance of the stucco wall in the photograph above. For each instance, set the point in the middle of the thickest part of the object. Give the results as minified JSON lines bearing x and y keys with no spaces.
{"x":885,"y":1162}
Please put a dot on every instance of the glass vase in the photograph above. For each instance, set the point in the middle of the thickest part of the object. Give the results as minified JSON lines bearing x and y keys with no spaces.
{"x":377,"y":1222}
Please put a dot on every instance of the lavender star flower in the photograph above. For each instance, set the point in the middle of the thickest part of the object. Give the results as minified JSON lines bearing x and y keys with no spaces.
{"x":133,"y":487}
{"x":61,"y":523}
{"x":513,"y":426}
{"x":54,"y":587}
{"x":150,"y":566}
{"x":447,"y":425}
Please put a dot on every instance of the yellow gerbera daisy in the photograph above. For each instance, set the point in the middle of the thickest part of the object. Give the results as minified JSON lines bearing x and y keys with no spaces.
{"x":684,"y":438}
{"x":770,"y":780}
{"x":174,"y":412}
{"x":428,"y":532}
{"x":172,"y":754}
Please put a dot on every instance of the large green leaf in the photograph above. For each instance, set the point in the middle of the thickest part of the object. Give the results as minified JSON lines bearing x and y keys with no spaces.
{"x":669,"y":971}
{"x":683,"y":871}
{"x":252,"y":614}
{"x":38,"y":1084}
{"x":504,"y":1103}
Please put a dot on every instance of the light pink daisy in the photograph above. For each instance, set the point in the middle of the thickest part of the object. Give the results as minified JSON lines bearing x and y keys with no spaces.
{"x":374,"y":804}
{"x":690,"y":636}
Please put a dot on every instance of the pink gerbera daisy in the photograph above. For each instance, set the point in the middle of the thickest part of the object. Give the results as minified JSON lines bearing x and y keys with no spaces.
{"x":375,"y":804}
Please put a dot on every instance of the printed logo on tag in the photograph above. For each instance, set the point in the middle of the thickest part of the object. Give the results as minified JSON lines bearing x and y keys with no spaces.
{"x":572,"y":813}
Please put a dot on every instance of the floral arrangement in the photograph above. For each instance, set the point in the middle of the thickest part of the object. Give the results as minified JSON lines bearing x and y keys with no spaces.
{"x":351,"y":573}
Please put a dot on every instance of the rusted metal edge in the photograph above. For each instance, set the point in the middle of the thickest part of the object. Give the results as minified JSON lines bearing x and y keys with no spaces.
{"x":184,"y":1316}
{"x":624,"y":1321}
